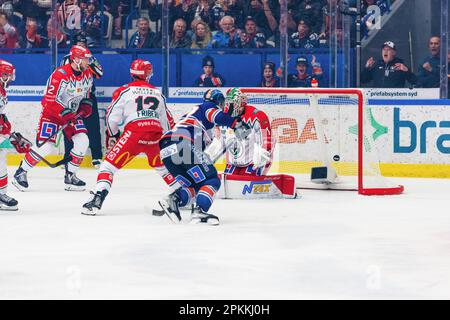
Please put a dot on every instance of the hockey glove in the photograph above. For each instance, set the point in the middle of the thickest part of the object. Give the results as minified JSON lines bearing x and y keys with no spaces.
{"x":21,"y":144}
{"x":260,"y":156}
{"x":111,"y":140}
{"x":242,"y":130}
{"x":85,"y":108}
{"x":5,"y":125}
{"x":68,"y":116}
{"x":96,"y":69}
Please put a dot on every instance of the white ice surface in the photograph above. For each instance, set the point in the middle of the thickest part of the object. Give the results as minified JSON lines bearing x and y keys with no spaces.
{"x":328,"y":244}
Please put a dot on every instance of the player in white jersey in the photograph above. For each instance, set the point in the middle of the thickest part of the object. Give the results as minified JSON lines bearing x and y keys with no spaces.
{"x":248,"y":161}
{"x":141,"y":110}
{"x":7,"y":74}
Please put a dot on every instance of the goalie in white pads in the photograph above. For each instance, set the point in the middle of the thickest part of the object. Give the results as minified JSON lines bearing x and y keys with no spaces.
{"x":249,"y":160}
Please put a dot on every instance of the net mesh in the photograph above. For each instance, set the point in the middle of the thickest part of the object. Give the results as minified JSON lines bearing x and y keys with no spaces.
{"x":298,"y":118}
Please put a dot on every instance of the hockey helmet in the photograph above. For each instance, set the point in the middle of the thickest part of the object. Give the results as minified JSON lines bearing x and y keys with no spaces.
{"x":80,"y":53}
{"x":7,"y":69}
{"x":236,"y":101}
{"x":141,"y":69}
{"x":215,"y":96}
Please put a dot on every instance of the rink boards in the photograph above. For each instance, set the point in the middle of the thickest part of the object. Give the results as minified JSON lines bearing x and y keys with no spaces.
{"x":415,"y":142}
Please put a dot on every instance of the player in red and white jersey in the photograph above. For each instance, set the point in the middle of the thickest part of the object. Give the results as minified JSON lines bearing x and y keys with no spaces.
{"x":136,"y":119}
{"x":65,"y":102}
{"x":249,"y":160}
{"x":7,"y":74}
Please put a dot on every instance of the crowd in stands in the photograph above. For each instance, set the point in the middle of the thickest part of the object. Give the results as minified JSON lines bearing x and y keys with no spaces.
{"x":211,"y":24}
{"x":194,"y":23}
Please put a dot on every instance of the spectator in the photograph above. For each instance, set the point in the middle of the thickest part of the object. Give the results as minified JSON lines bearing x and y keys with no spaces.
{"x":202,"y":34}
{"x":144,"y":37}
{"x":265,"y":12}
{"x":31,"y":9}
{"x":32,"y":39}
{"x":216,"y":14}
{"x":54,"y":32}
{"x":302,"y":79}
{"x":303,"y":38}
{"x":203,"y":11}
{"x":91,"y":24}
{"x":69,"y":17}
{"x":389,"y":72}
{"x":209,"y":78}
{"x":268,"y":77}
{"x":310,"y":11}
{"x":250,"y":38}
{"x":9,"y":37}
{"x":429,"y":70}
{"x":184,"y":9}
{"x":179,"y":37}
{"x":227,"y":37}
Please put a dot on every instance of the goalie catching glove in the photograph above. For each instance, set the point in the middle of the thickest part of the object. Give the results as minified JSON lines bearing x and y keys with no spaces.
{"x":21,"y":144}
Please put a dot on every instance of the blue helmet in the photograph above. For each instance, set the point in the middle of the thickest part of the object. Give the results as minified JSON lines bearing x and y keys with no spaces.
{"x":215,"y":96}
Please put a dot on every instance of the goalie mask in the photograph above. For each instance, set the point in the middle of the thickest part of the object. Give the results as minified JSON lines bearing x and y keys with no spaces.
{"x":215,"y":96}
{"x":141,"y":69}
{"x":7,"y":73}
{"x":235,"y":102}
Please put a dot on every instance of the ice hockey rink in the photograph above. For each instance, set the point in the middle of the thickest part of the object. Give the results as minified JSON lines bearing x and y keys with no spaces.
{"x":327,"y":244}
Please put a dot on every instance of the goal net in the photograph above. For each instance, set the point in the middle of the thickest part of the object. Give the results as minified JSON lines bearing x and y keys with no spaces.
{"x":326,"y":138}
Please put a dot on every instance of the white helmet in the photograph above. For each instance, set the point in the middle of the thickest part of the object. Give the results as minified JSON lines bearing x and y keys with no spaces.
{"x":235,"y":102}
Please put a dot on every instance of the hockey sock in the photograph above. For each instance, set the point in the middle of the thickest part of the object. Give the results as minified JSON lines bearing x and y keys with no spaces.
{"x":168,"y":178}
{"x":186,"y":195}
{"x":3,"y":183}
{"x":105,"y":176}
{"x":206,"y":193}
{"x":80,"y":145}
{"x":31,"y":159}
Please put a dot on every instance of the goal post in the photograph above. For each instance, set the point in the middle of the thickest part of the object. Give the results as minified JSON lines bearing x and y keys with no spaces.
{"x":326,"y":138}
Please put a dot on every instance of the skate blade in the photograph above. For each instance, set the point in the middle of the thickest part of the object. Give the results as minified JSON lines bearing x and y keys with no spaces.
{"x":88,"y":212}
{"x":18,"y":186}
{"x":210,"y":221}
{"x":70,"y":187}
{"x":6,"y":208}
{"x":172,"y":216}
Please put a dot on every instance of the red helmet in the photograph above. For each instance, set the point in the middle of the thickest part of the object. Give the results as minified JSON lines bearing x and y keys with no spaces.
{"x":7,"y":68}
{"x":141,"y":69}
{"x":80,"y":52}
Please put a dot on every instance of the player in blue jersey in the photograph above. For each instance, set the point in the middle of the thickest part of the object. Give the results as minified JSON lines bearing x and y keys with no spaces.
{"x":182,"y":152}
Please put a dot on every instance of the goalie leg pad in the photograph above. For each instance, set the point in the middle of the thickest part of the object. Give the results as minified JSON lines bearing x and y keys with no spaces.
{"x":280,"y":186}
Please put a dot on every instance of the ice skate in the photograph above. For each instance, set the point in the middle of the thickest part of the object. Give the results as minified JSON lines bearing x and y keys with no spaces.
{"x":72,"y":183}
{"x":20,"y":180}
{"x":201,"y":217}
{"x":93,"y":206}
{"x":7,"y":203}
{"x":170,"y":206}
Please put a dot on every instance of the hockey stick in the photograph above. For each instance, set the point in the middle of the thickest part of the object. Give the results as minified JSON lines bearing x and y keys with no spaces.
{"x":51,"y":165}
{"x":16,"y":138}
